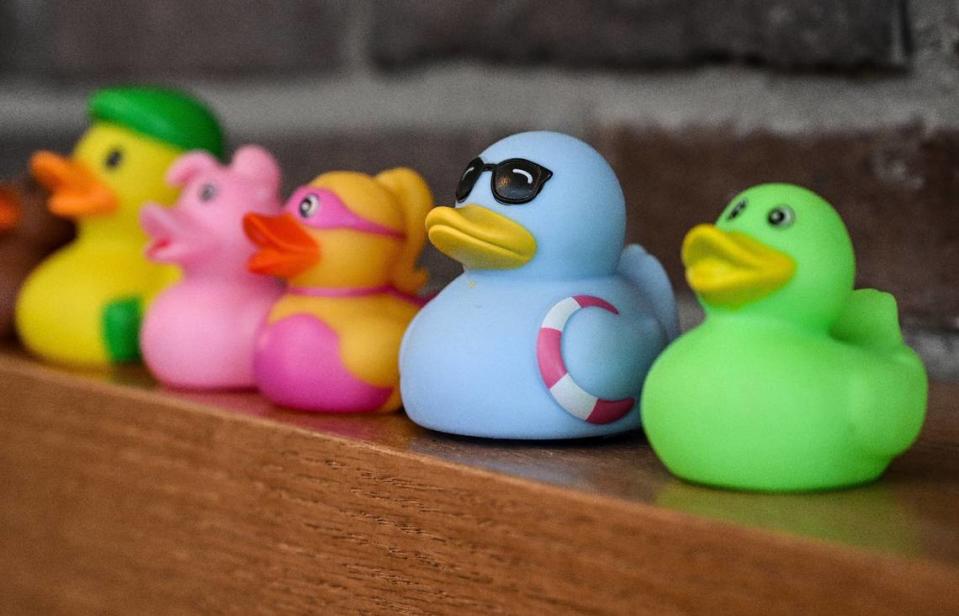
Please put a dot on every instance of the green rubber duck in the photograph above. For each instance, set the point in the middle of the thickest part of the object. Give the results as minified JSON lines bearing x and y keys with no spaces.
{"x":794,"y":381}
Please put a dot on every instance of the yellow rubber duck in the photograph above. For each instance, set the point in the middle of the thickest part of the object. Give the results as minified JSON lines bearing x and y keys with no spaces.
{"x":347,"y":245}
{"x":82,"y":306}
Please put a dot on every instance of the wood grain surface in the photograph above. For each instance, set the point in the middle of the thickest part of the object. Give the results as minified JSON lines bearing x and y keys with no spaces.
{"x":121,"y":498}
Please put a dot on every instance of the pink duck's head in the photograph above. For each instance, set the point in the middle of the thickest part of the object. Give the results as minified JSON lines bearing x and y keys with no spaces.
{"x":204,"y":229}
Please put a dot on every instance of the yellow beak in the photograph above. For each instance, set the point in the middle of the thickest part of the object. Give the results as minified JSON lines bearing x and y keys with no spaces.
{"x":731,"y":268}
{"x":479,"y":238}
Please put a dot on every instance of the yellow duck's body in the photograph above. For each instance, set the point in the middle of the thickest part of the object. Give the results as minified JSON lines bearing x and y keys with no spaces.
{"x":78,"y":309}
{"x":82,"y":306}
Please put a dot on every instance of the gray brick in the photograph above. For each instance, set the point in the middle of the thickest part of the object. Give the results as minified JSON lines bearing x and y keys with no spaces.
{"x":16,"y":151}
{"x":841,"y":34}
{"x":22,"y":27}
{"x":939,"y":349}
{"x":147,"y":39}
{"x":7,"y":31}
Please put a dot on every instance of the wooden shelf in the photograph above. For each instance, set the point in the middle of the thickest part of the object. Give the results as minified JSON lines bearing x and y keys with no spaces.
{"x":120,"y":497}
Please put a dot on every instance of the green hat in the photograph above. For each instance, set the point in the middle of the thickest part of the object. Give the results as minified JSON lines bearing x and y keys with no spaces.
{"x":168,"y":115}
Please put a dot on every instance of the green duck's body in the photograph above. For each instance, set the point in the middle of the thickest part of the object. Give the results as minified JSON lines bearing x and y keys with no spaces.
{"x":773,"y":393}
{"x":774,"y":407}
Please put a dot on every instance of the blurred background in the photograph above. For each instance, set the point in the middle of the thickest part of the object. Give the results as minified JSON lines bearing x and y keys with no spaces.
{"x":690,"y":100}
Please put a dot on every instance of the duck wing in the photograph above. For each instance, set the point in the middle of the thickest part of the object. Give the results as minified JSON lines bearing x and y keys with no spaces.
{"x":645,"y":271}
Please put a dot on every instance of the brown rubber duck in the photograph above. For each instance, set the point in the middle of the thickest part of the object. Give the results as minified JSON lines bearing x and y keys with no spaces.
{"x":28,"y":233}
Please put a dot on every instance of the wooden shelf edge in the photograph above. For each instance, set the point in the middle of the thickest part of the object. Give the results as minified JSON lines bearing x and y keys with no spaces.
{"x":127,"y":497}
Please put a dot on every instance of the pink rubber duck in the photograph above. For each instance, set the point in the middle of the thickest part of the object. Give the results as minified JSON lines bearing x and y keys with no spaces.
{"x":201,"y":332}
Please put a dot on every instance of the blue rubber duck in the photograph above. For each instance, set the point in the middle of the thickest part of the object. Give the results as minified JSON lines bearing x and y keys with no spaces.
{"x":553,"y":325}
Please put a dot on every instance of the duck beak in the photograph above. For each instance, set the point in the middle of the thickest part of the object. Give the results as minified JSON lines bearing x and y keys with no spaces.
{"x":75,"y":190}
{"x":174,"y":236}
{"x":285,"y":248}
{"x":479,"y":238}
{"x":731,"y":268}
{"x":9,"y":209}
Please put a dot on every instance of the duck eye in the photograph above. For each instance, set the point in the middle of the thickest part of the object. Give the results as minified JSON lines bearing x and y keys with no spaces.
{"x":781,"y":216}
{"x":737,"y":210}
{"x":113,"y":159}
{"x":207,"y":192}
{"x":309,"y":205}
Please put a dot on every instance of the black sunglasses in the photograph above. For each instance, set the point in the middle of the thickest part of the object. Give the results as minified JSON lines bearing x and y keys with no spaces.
{"x":514,"y":181}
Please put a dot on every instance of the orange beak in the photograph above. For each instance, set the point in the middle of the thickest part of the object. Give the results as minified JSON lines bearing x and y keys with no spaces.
{"x":75,"y":190}
{"x":285,"y":248}
{"x":9,"y":209}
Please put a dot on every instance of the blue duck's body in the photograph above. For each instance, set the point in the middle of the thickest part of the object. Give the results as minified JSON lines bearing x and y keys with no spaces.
{"x":475,"y":360}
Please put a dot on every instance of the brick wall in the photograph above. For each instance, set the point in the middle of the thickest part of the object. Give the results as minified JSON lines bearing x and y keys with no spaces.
{"x":691,"y":100}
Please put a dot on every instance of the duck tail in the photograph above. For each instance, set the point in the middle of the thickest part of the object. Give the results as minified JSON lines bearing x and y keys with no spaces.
{"x":415,"y":199}
{"x":888,"y":398}
{"x":645,"y":271}
{"x":870,"y":320}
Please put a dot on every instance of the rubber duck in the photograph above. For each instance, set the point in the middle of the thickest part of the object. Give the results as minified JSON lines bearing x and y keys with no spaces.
{"x":28,"y":233}
{"x":794,"y":381}
{"x":550,"y":330}
{"x":82,"y":306}
{"x":200,"y":333}
{"x":347,"y":245}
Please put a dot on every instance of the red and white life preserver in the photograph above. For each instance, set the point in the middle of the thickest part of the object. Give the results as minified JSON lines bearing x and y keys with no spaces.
{"x":549,"y":354}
